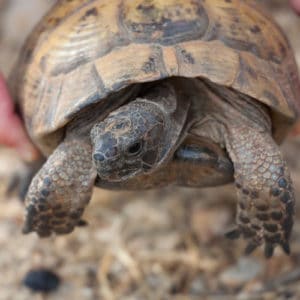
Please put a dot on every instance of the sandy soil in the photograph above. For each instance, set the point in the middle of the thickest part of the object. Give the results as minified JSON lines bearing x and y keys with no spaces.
{"x":161,"y":244}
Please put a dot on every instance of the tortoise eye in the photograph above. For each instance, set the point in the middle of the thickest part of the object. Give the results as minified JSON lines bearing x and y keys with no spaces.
{"x":135,"y":148}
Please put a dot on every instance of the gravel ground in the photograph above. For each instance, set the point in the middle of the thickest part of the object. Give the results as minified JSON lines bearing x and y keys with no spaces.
{"x":160,"y":244}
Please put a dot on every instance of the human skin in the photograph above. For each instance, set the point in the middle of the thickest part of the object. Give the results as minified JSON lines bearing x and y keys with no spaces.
{"x":295,"y":5}
{"x":12,"y":132}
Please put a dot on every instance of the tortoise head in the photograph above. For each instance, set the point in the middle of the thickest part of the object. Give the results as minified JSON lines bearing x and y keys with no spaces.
{"x":130,"y":141}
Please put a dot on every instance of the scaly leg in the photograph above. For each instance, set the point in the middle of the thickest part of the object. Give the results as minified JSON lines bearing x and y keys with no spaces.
{"x":60,"y":191}
{"x":265,"y":191}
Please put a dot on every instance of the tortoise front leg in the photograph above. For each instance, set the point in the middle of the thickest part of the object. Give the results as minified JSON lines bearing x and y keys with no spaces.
{"x":60,"y":191}
{"x":264,"y":188}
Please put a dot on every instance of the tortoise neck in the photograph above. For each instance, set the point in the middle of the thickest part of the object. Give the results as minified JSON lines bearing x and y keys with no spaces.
{"x":233,"y":107}
{"x":173,"y":98}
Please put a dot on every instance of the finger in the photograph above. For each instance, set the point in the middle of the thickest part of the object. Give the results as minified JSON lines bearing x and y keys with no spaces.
{"x":12,"y":132}
{"x":296,"y":5}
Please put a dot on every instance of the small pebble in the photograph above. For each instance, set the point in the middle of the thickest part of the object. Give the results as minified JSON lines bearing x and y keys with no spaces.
{"x":41,"y":280}
{"x":197,"y":286}
{"x":245,"y":270}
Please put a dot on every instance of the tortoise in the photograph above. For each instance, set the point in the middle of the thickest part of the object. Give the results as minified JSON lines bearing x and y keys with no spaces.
{"x":144,"y":93}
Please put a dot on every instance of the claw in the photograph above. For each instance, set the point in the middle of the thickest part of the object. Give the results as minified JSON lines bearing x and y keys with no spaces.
{"x":26,"y":229}
{"x":233,"y":234}
{"x":250,"y":248}
{"x":269,"y":250}
{"x":28,"y":223}
{"x":285,"y":247}
{"x":82,"y":223}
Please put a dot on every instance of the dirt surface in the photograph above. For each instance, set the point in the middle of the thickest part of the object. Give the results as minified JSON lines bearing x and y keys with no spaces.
{"x":161,"y":244}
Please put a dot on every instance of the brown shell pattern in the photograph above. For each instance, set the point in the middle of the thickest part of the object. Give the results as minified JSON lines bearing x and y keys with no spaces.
{"x":82,"y":51}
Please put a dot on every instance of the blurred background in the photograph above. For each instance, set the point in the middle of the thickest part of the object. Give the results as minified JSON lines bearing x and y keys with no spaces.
{"x":160,"y":244}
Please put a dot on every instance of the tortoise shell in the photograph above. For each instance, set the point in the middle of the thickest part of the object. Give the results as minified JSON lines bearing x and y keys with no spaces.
{"x":84,"y":51}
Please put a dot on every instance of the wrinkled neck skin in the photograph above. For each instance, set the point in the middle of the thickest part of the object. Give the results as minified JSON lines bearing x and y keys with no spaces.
{"x":220,"y":108}
{"x":141,"y":136}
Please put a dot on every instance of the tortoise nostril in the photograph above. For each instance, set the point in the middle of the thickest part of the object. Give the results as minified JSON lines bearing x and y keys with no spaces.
{"x":98,"y":157}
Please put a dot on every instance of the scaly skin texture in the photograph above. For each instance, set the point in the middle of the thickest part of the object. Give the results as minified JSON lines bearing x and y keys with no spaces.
{"x":264,"y":188}
{"x":196,"y":163}
{"x":60,"y":191}
{"x":141,"y":136}
{"x":83,"y":52}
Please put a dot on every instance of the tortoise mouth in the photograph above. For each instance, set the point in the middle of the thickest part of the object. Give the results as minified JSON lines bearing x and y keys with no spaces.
{"x":116,"y":170}
{"x":117,"y":175}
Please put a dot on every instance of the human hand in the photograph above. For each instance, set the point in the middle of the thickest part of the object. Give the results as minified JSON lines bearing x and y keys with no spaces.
{"x":12,"y":132}
{"x":295,"y":5}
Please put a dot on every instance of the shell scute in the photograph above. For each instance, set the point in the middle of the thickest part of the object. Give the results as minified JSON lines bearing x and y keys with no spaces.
{"x":165,"y":22}
{"x":82,"y":52}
